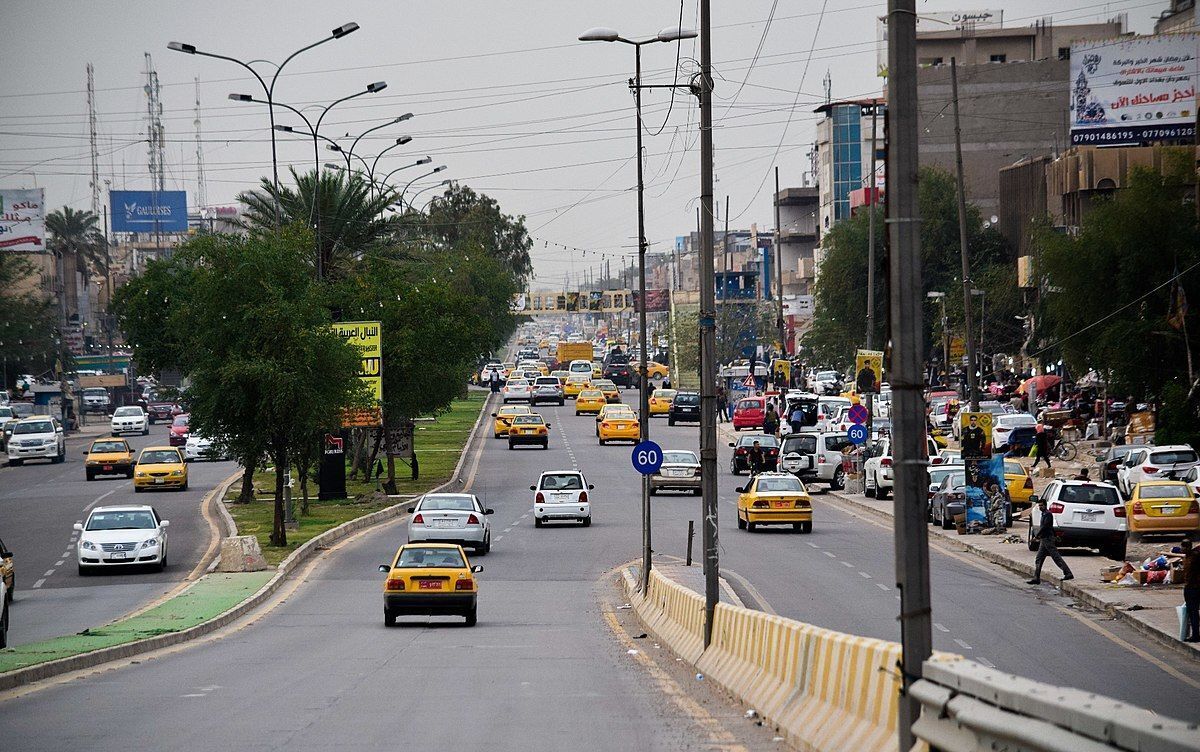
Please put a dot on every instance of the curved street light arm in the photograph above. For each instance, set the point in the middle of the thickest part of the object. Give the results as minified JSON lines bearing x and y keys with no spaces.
{"x":418,"y":163}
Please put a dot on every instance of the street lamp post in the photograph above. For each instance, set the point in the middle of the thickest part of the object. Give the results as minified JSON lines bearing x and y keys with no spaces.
{"x":434,"y":171}
{"x":412,"y":201}
{"x":269,"y":90}
{"x":941,"y":298}
{"x":601,"y":34}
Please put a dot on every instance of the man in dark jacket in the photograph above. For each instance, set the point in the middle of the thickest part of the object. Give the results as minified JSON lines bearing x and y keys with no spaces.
{"x":1191,"y":590}
{"x":1043,"y":444}
{"x":1047,"y":547}
{"x":756,"y":458}
{"x":771,"y":420}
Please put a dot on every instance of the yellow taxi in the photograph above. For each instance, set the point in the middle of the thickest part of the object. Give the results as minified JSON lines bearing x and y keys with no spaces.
{"x":597,"y":369}
{"x":543,"y":343}
{"x":660,"y":401}
{"x":656,"y":370}
{"x":430,"y":579}
{"x":1019,"y":483}
{"x":160,"y":467}
{"x":541,"y":367}
{"x":504,"y":418}
{"x":590,"y":402}
{"x":774,"y":499}
{"x":561,"y":376}
{"x":109,"y":456}
{"x":529,"y":429}
{"x":1162,"y":506}
{"x":576,"y":383}
{"x":611,"y":393}
{"x":617,"y":423}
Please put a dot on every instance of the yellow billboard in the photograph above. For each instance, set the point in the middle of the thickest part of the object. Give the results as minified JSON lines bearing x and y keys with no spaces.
{"x":366,"y":337}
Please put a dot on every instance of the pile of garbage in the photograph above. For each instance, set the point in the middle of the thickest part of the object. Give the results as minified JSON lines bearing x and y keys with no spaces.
{"x":1162,"y":568}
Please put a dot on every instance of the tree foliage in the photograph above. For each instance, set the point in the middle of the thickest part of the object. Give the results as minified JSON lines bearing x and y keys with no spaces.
{"x":27,"y":320}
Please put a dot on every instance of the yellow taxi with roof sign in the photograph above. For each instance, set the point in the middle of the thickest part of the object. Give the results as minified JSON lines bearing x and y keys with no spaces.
{"x":774,"y":499}
{"x":109,"y":456}
{"x":590,"y":402}
{"x":504,"y":417}
{"x":529,"y":429}
{"x":160,"y":467}
{"x":660,"y":401}
{"x":576,"y":383}
{"x":617,"y":422}
{"x":611,"y":392}
{"x":430,"y":579}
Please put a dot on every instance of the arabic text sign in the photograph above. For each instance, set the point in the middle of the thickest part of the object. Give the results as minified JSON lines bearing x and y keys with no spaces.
{"x":149,"y":211}
{"x":928,"y":21}
{"x":365,"y":336}
{"x":22,"y":219}
{"x":1128,"y":91}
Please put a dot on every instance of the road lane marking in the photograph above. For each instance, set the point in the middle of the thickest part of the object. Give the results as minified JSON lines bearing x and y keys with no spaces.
{"x":48,"y":573}
{"x":830,"y":554}
{"x":864,"y":575}
{"x":104,"y":496}
{"x":812,"y":545}
{"x":962,"y":644}
{"x":939,"y":627}
{"x":847,"y":564}
{"x":984,"y":661}
{"x":39,"y":583}
{"x":59,"y":563}
{"x":882,"y":587}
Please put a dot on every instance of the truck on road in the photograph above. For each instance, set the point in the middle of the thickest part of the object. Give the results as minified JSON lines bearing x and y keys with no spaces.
{"x":568,"y":351}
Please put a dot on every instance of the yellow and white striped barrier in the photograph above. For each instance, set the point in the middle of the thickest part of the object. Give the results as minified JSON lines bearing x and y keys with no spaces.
{"x":823,"y":690}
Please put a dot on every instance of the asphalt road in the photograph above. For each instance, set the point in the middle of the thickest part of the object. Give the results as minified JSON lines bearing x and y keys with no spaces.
{"x":543,"y":670}
{"x":39,"y":503}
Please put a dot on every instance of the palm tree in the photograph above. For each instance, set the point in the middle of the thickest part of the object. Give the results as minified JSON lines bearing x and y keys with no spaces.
{"x":351,"y":213}
{"x":77,"y":240}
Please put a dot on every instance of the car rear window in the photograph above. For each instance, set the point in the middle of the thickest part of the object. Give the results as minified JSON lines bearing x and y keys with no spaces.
{"x":108,"y":446}
{"x":750,"y":404}
{"x":687,"y":399}
{"x":779,"y":485}
{"x":762,"y":439}
{"x":1173,"y":457}
{"x":547,"y":381}
{"x":527,"y":420}
{"x":1089,"y":495}
{"x":836,"y":443}
{"x":437,"y":558}
{"x":566,"y":482}
{"x":1181,"y":491}
{"x":680,"y":458}
{"x":803,"y":444}
{"x":448,"y":504}
{"x":1013,"y":468}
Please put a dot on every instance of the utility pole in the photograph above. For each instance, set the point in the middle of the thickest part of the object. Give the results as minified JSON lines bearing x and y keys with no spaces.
{"x":968,"y":307}
{"x":723,"y":340}
{"x":643,"y":386}
{"x":708,"y":353}
{"x":906,"y":372}
{"x":778,"y":248}
{"x":871,"y":262}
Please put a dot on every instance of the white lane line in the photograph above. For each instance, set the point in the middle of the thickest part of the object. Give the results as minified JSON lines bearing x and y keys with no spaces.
{"x":498,"y":537}
{"x":985,"y":662}
{"x":39,"y":583}
{"x":812,"y":545}
{"x":830,"y":554}
{"x":59,"y":563}
{"x":47,"y":574}
{"x":939,"y":627}
{"x":66,"y":554}
{"x":882,"y":587}
{"x":864,"y":575}
{"x":962,"y":644}
{"x":847,"y":564}
{"x":508,"y":529}
{"x":104,"y":496}
{"x":194,"y":695}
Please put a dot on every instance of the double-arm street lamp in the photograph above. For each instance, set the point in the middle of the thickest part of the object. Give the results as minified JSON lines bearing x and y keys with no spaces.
{"x":268,"y":89}
{"x":412,"y":201}
{"x":434,"y":171}
{"x":601,"y":34}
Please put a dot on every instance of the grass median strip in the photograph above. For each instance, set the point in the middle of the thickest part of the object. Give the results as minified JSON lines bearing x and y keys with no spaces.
{"x":438,"y":445}
{"x":211,"y":596}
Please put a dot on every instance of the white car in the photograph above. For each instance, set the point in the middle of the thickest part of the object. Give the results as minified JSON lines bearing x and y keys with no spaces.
{"x":95,"y":399}
{"x":561,"y":495}
{"x":827,"y":412}
{"x":1005,"y":426}
{"x":680,"y":471}
{"x":516,"y":390}
{"x":451,"y":518}
{"x":878,"y":480}
{"x":39,"y":437}
{"x":119,"y":536}
{"x":1170,"y":462}
{"x":198,"y":448}
{"x":129,"y":419}
{"x":1085,"y":514}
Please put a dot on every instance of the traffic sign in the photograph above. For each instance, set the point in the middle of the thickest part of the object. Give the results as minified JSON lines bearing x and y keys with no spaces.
{"x":857,"y":434}
{"x":749,"y":381}
{"x":647,"y":457}
{"x":858,"y":414}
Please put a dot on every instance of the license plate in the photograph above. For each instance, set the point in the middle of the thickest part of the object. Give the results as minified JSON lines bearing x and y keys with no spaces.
{"x":620,"y":426}
{"x":429,"y":585}
{"x":445,"y":523}
{"x":1089,"y":517}
{"x":159,"y":481}
{"x":108,"y":467}
{"x":117,"y":555}
{"x":781,"y":504}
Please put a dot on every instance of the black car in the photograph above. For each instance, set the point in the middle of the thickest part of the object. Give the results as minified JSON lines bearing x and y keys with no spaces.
{"x":740,"y":461}
{"x":1111,"y":460}
{"x":685,"y":407}
{"x":618,"y":370}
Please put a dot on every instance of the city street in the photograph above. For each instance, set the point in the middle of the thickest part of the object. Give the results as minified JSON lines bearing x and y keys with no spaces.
{"x":542,"y":650}
{"x":39,"y":502}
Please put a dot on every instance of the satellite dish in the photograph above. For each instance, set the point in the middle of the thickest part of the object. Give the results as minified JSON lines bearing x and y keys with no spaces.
{"x":995,"y":219}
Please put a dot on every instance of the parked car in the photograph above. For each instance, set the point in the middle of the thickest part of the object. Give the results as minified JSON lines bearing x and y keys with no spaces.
{"x":95,"y":399}
{"x":118,"y":536}
{"x":1170,"y":462}
{"x":938,"y":473}
{"x":39,"y":437}
{"x":1157,"y":507}
{"x":1109,"y":463}
{"x":815,"y":456}
{"x":949,"y":500}
{"x":989,"y":406}
{"x":1019,"y":483}
{"x":129,"y":419}
{"x":199,"y":448}
{"x":452,"y":518}
{"x":685,"y":407}
{"x":1086,"y":514}
{"x":680,"y":471}
{"x":749,"y":413}
{"x":877,"y":470}
{"x":740,"y":461}
{"x":1014,"y":432}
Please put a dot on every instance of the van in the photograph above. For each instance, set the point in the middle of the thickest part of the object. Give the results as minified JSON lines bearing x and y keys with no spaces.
{"x":580,"y":366}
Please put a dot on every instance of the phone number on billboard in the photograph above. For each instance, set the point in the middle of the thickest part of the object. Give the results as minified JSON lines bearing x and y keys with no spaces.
{"x":1125,"y":135}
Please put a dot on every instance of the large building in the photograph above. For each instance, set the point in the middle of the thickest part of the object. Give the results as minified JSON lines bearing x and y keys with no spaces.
{"x":843,"y":152}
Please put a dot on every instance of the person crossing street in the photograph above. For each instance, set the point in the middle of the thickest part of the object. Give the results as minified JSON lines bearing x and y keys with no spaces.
{"x":1047,"y":547}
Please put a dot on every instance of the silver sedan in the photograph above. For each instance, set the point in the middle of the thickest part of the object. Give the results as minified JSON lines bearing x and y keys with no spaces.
{"x":680,"y":471}
{"x":451,"y":518}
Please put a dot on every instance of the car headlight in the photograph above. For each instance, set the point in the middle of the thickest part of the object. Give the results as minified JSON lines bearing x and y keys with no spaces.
{"x":176,"y":472}
{"x":87,"y":545}
{"x":140,"y":474}
{"x":151,"y":543}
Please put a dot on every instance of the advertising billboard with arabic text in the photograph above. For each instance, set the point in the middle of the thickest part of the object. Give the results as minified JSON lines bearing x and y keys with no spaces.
{"x":1128,"y":91}
{"x":22,"y":220}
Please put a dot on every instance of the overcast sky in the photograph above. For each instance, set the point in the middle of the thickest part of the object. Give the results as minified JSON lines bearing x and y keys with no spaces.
{"x":502,"y":93}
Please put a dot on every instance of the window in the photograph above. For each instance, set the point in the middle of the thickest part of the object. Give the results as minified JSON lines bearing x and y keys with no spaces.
{"x":1176,"y":457}
{"x":109,"y":446}
{"x":998,"y":59}
{"x":1064,"y":53}
{"x":680,"y":458}
{"x":422,"y":557}
{"x":159,"y":457}
{"x":562,"y":483}
{"x":41,"y":426}
{"x":1181,"y":491}
{"x":127,"y":520}
{"x":779,"y":485}
{"x":1100,"y":495}
{"x":439,"y":503}
{"x":802,"y":444}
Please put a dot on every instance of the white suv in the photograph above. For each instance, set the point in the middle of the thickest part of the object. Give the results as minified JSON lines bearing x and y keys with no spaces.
{"x":39,"y":437}
{"x":129,"y":419}
{"x":561,"y":495}
{"x":878,"y":479}
{"x":815,"y":456}
{"x":1169,"y":462}
{"x":1085,"y":514}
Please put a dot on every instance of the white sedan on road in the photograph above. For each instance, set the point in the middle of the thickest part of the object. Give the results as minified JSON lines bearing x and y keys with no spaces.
{"x":561,"y":495}
{"x":198,"y":448}
{"x":451,"y":518}
{"x":122,"y":535}
{"x":129,"y":419}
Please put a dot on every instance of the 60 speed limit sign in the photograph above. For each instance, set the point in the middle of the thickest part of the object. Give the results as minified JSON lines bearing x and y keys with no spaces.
{"x":647,"y":457}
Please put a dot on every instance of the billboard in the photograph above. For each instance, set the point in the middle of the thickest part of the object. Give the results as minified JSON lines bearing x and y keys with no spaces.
{"x":149,"y":211}
{"x":868,"y":371}
{"x":22,"y":219}
{"x":1126,"y":91}
{"x":656,"y":301}
{"x":365,"y":336}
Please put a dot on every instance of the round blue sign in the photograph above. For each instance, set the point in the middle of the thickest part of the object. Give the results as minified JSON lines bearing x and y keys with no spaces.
{"x":647,"y":457}
{"x":857,"y":434}
{"x":858,"y":414}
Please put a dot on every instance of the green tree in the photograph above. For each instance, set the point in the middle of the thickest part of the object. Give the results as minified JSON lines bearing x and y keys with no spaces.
{"x":75,"y":237}
{"x":27,"y":320}
{"x":473,"y":223}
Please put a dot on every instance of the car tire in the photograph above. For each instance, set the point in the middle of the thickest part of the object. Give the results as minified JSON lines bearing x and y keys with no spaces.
{"x":839,"y":480}
{"x":138,"y":489}
{"x":697,"y":492}
{"x":472,"y":617}
{"x":537,"y":522}
{"x":587,"y":521}
{"x":740,"y":522}
{"x":129,"y":474}
{"x":1031,"y":542}
{"x":881,"y":493}
{"x":868,"y":489}
{"x":83,"y":571}
{"x":806,"y":528}
{"x":15,"y":463}
{"x":751,"y":526}
{"x":90,"y":475}
{"x":546,"y":444}
{"x":1116,"y":551}
{"x":947,"y":524}
{"x":146,"y":431}
{"x":389,"y":619}
{"x":487,"y":545}
{"x":798,"y":527}
{"x":184,"y":487}
{"x":511,"y":446}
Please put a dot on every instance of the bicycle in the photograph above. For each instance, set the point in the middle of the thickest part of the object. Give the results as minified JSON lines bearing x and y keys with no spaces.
{"x":1065,"y":451}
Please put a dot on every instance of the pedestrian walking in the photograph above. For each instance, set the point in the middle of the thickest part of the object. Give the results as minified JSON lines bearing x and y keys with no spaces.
{"x":771,"y":420}
{"x":1047,"y":547}
{"x":722,"y":404}
{"x":756,"y":458}
{"x":1191,"y":589}
{"x":494,"y":380}
{"x":1043,"y":443}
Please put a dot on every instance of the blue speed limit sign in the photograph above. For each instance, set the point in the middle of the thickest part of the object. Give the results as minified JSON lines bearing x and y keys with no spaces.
{"x":857,"y":434}
{"x":647,"y":457}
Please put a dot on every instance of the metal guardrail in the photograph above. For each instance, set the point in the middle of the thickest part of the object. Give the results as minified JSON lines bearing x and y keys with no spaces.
{"x":966,"y":706}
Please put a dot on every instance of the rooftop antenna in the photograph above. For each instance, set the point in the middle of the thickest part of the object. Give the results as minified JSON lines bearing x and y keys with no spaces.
{"x":91,"y":104}
{"x":828,"y":82}
{"x":201,"y":187}
{"x":155,"y":135}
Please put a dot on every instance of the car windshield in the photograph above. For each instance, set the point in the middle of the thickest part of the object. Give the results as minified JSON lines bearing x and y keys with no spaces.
{"x":517,"y":382}
{"x":527,"y":420}
{"x":958,"y":480}
{"x":686,"y":399}
{"x":1013,"y":468}
{"x":591,"y":394}
{"x":41,"y":426}
{"x":1119,"y":453}
{"x":779,"y":485}
{"x":827,"y":375}
{"x":763,"y":440}
{"x":750,"y":404}
{"x":158,"y":457}
{"x":604,"y":384}
{"x":109,"y":446}
{"x":680,"y":458}
{"x":664,"y":393}
{"x":180,"y":420}
{"x":1012,"y":421}
{"x":414,"y":557}
{"x":1173,"y":457}
{"x":127,"y":412}
{"x":95,"y":391}
{"x":801,"y":444}
{"x":579,"y":378}
{"x":937,"y":475}
{"x":1089,"y":494}
{"x":448,"y":503}
{"x":1181,"y":491}
{"x":126,"y":520}
{"x":565,"y":482}
{"x":6,"y":412}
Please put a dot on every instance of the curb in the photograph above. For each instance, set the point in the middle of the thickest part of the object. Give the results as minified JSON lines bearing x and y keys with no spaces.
{"x":1067,"y":588}
{"x":286,"y":567}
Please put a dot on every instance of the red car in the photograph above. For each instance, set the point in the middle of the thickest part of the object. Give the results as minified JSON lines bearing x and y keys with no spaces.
{"x":178,"y":432}
{"x":749,"y":413}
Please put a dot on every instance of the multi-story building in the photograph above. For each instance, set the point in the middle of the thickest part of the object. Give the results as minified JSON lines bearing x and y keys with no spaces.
{"x":844,"y":160}
{"x":1181,"y":16}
